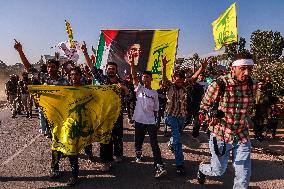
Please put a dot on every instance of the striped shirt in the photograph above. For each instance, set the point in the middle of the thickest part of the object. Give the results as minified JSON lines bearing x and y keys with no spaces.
{"x":176,"y":99}
{"x":236,"y":103}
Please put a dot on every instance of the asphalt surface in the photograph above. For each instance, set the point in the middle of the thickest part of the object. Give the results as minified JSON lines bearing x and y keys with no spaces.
{"x":26,"y":156}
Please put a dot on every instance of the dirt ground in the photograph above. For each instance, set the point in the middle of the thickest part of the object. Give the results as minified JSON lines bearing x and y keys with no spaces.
{"x":25,"y":162}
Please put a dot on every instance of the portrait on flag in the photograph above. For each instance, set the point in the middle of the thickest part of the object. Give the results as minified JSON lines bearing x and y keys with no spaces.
{"x":128,"y":42}
{"x":147,"y":47}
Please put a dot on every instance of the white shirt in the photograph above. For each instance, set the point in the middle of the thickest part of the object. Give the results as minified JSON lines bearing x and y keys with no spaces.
{"x":147,"y":102}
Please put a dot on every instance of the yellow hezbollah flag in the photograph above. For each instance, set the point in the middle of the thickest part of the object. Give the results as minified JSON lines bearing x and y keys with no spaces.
{"x":225,"y":28}
{"x":78,"y":116}
{"x":164,"y":44}
{"x":70,"y":33}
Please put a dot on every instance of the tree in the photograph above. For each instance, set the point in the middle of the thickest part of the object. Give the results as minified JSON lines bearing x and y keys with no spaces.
{"x":232,"y":49}
{"x":195,"y":60}
{"x":266,"y":46}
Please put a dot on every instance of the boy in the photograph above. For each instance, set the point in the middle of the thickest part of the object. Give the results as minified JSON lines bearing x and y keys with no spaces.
{"x":147,"y":105}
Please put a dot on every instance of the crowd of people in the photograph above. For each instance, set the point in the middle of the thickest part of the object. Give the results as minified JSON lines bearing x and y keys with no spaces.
{"x":224,"y":109}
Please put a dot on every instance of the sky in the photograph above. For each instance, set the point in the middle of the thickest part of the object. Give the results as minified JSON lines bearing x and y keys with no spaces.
{"x":40,"y":24}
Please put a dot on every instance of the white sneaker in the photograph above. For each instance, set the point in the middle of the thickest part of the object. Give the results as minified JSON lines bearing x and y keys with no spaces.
{"x":138,"y":159}
{"x":160,"y":171}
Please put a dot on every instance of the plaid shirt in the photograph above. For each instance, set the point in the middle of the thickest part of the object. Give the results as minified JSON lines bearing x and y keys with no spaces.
{"x":236,"y":103}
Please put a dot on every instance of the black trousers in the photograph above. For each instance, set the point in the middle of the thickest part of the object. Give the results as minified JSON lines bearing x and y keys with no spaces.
{"x":130,"y":105}
{"x":88,"y":150}
{"x":273,"y":126}
{"x":73,"y":159}
{"x":140,"y":132}
{"x":115,"y":146}
{"x":159,"y":117}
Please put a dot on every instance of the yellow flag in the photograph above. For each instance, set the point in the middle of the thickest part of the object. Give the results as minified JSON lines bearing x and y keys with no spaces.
{"x":78,"y":116}
{"x":70,"y":33}
{"x":225,"y":28}
{"x":164,"y":44}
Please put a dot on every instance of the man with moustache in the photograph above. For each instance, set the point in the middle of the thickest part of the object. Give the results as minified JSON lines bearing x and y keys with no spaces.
{"x":226,"y":106}
{"x":115,"y":146}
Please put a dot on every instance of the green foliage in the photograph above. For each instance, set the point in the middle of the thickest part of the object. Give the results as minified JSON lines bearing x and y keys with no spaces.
{"x":232,"y":49}
{"x":266,"y":46}
{"x":276,"y":72}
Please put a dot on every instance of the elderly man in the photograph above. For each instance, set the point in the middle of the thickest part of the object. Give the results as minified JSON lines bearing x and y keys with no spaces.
{"x":226,"y":106}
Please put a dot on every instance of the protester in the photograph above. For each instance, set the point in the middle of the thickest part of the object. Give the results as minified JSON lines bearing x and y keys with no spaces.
{"x":194,"y":97}
{"x":52,"y":78}
{"x":176,"y":108}
{"x":11,"y":90}
{"x":262,"y":109}
{"x":162,"y":105}
{"x":226,"y":106}
{"x":202,"y":81}
{"x":274,"y":116}
{"x":76,"y":80}
{"x":147,"y":106}
{"x":115,"y":146}
{"x":24,"y":94}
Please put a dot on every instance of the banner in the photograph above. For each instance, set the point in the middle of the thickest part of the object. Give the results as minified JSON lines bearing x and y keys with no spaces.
{"x":148,"y":45}
{"x":70,"y":53}
{"x":78,"y":116}
{"x":225,"y":28}
{"x":70,"y":33}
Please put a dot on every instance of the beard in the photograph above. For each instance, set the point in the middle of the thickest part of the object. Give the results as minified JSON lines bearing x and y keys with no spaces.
{"x":111,"y":74}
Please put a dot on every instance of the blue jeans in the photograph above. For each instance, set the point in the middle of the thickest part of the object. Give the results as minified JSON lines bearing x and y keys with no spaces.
{"x":241,"y":162}
{"x":42,"y":121}
{"x":176,"y":124}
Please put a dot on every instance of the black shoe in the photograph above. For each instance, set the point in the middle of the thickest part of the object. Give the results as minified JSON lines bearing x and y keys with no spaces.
{"x":72,"y":181}
{"x":180,"y":170}
{"x":201,"y":177}
{"x":171,"y":148}
{"x":91,"y":158}
{"x":54,"y":174}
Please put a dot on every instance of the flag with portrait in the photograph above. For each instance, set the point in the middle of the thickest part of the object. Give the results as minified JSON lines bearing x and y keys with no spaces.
{"x":147,"y":46}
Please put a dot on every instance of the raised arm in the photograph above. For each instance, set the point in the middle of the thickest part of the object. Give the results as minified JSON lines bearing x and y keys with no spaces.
{"x":164,"y":68}
{"x":87,"y":57}
{"x":200,"y":70}
{"x":133,"y":71}
{"x":18,"y":46}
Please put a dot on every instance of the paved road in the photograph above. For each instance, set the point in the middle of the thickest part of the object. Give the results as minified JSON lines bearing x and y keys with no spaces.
{"x":25,"y":161}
